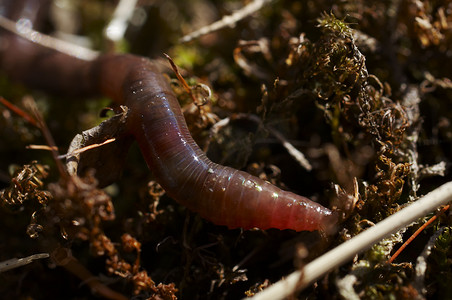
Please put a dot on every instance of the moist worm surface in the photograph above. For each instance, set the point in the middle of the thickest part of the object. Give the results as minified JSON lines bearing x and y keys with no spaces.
{"x":220,"y":194}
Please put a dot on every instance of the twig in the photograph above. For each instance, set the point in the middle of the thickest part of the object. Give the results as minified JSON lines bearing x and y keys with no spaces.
{"x":81,"y":150}
{"x":25,"y":31}
{"x":30,"y":102}
{"x":202,"y":90}
{"x":414,"y":235}
{"x":37,"y":121}
{"x":63,"y":257}
{"x":180,"y":77}
{"x":18,"y":111}
{"x":421,"y":263}
{"x":227,"y":21}
{"x":363,"y":241}
{"x":19,"y":262}
{"x":41,"y":147}
{"x":118,"y":24}
{"x":294,"y":152}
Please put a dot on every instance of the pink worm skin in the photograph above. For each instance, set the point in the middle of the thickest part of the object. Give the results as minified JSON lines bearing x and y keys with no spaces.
{"x":220,"y":194}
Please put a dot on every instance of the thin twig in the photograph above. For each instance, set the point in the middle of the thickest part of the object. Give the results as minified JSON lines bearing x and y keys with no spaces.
{"x":81,"y":150}
{"x":30,"y":102}
{"x":18,"y":111}
{"x":421,"y":263}
{"x":37,"y":121}
{"x":28,"y":33}
{"x":41,"y":147}
{"x":19,"y":262}
{"x":201,"y":89}
{"x":414,"y":235}
{"x":123,"y":13}
{"x":336,"y":257}
{"x":179,"y":76}
{"x":64,"y":258}
{"x":227,"y":21}
{"x":294,"y":152}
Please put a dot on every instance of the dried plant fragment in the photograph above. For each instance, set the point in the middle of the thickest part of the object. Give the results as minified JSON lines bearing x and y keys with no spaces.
{"x":108,"y":159}
{"x":26,"y":185}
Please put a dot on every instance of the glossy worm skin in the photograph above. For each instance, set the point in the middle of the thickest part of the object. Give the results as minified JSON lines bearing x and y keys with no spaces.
{"x":220,"y":194}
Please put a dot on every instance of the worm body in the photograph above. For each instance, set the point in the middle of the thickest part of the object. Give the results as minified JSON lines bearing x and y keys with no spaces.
{"x":220,"y":194}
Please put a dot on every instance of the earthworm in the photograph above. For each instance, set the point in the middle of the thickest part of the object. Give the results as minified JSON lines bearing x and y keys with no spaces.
{"x":220,"y":194}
